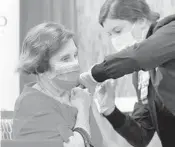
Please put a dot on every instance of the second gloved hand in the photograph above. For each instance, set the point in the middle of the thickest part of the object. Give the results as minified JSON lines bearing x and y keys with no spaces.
{"x":104,"y":97}
{"x":87,"y":80}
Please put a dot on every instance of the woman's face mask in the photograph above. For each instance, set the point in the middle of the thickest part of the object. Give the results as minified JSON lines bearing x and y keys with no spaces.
{"x":67,"y":76}
{"x":65,"y":67}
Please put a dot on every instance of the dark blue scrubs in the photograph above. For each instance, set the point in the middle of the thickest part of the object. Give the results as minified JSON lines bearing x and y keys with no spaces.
{"x":155,"y":54}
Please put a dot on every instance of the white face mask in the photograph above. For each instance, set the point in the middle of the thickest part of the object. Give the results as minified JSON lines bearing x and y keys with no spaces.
{"x":67,"y":76}
{"x":123,"y":41}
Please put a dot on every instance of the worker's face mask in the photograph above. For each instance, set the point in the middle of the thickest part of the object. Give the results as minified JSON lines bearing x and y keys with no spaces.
{"x":122,"y":41}
{"x":67,"y":75}
{"x":126,"y":39}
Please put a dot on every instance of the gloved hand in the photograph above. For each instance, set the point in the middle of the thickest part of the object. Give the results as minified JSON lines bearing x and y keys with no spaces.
{"x":104,"y":97}
{"x":87,"y":80}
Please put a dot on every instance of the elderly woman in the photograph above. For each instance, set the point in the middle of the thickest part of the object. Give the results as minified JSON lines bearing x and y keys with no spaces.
{"x":49,"y":109}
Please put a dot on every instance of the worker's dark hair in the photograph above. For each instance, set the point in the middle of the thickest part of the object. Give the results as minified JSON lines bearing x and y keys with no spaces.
{"x":131,"y":10}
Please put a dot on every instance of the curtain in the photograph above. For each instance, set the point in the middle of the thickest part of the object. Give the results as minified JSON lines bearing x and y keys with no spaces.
{"x":163,"y":7}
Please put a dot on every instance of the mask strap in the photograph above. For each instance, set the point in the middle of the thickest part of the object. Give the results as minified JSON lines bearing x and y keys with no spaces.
{"x":133,"y":26}
{"x":142,"y":35}
{"x":49,"y":81}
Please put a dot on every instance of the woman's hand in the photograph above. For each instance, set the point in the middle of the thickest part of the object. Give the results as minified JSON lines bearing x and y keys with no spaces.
{"x":104,"y":97}
{"x":81,"y":98}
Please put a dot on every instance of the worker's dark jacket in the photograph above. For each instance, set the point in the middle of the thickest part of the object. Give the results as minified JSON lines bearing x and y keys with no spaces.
{"x":158,"y":50}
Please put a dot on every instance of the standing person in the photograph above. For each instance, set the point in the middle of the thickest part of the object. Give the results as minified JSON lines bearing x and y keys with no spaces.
{"x":155,"y":111}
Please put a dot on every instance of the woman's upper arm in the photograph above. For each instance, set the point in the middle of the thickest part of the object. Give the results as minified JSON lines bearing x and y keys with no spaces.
{"x":37,"y":120}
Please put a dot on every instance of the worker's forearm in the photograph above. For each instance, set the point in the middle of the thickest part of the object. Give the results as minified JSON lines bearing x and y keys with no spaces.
{"x":149,"y":54}
{"x":115,"y":66}
{"x":131,"y":129}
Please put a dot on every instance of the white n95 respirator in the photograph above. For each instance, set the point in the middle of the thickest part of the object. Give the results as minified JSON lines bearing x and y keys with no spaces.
{"x":123,"y":41}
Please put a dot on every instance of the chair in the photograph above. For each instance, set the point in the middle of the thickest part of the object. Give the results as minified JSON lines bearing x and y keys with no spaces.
{"x":22,"y":143}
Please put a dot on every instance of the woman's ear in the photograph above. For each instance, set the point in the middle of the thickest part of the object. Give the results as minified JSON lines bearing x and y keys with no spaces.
{"x":142,"y":23}
{"x":50,"y":74}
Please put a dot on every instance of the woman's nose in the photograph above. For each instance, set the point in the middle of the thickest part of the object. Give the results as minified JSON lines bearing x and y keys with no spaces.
{"x":75,"y":60}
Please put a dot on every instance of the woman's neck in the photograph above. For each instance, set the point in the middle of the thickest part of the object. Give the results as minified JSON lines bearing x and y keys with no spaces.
{"x":57,"y":93}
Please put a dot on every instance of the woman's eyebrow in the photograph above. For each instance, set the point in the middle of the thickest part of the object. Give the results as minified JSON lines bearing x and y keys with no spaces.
{"x":109,"y":33}
{"x":76,"y":52}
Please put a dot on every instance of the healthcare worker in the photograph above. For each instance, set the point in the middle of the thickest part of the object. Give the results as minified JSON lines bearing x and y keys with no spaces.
{"x":152,"y":49}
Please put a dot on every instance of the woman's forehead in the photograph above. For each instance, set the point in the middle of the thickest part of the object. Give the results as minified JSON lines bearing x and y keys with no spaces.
{"x":68,"y":48}
{"x":110,"y":24}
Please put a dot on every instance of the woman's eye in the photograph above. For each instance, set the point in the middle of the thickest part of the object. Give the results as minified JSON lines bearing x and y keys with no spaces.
{"x":109,"y":34}
{"x":76,"y":55}
{"x":65,"y":59}
{"x":117,"y":31}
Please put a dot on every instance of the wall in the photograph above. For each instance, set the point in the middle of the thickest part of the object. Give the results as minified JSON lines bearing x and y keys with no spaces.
{"x":9,"y":51}
{"x":163,"y":7}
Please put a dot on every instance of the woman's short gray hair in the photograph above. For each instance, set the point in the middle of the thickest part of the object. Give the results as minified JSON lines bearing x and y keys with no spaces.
{"x":37,"y":47}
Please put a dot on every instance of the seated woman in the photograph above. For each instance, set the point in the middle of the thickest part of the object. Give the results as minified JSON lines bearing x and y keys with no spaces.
{"x":49,"y":109}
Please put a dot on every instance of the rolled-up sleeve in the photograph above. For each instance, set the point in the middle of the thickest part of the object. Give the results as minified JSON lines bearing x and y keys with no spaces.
{"x":38,"y":119}
{"x":151,"y":53}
